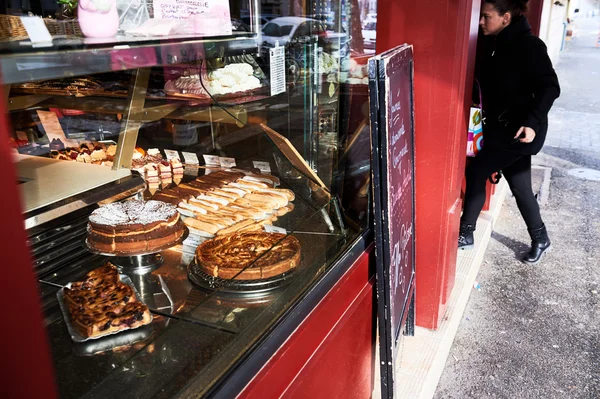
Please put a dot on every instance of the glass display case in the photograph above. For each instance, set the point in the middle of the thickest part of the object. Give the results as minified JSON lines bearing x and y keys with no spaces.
{"x":273,"y":107}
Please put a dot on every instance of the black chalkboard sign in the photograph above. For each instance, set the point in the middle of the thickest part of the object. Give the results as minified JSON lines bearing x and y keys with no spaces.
{"x":393,"y":168}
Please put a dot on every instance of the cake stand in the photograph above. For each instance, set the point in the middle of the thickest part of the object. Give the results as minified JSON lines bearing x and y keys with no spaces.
{"x":138,"y":262}
{"x":240,"y":288}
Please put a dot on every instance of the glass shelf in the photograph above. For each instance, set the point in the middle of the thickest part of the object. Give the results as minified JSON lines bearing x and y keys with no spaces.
{"x":69,"y":56}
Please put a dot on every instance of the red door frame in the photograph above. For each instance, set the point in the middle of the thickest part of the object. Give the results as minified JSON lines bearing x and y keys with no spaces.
{"x":26,"y":363}
{"x":444,"y":35}
{"x":534,"y":15}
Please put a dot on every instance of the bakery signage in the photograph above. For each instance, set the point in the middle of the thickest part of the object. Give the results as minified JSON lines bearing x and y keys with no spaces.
{"x":207,"y":17}
{"x":392,"y":127}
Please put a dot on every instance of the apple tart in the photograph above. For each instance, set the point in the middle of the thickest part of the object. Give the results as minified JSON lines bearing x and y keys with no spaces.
{"x":248,"y":256}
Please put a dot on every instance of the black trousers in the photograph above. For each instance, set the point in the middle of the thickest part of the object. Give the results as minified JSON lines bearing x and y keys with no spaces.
{"x":516,"y":168}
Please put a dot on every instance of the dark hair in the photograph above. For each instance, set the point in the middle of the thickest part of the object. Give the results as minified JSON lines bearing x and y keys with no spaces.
{"x":514,"y":7}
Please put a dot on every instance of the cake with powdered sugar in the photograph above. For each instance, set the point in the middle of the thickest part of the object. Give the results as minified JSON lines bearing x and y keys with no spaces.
{"x":134,"y":227}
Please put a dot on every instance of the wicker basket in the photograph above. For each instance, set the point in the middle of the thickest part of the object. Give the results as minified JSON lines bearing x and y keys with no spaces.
{"x":63,"y":27}
{"x":11,"y":27}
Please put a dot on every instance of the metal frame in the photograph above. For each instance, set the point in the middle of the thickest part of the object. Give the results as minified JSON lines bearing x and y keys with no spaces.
{"x":112,"y":192}
{"x":70,"y":57}
{"x":132,"y":121}
{"x":388,"y":332}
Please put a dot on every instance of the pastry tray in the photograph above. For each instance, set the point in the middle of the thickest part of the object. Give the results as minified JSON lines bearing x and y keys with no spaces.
{"x":223,"y":286}
{"x":75,"y":336}
{"x":107,"y":343}
{"x":154,"y":251}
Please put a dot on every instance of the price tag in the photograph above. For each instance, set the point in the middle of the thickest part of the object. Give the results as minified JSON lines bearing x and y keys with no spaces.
{"x":187,"y":255}
{"x":320,"y":71}
{"x":190,"y":158}
{"x":21,"y":135}
{"x":37,"y":30}
{"x":264,"y":167}
{"x":208,"y":171}
{"x":277,"y":61}
{"x":192,"y":240}
{"x":171,"y":154}
{"x":53,"y":129}
{"x":190,"y":170}
{"x":211,"y":160}
{"x":227,"y":162}
{"x":274,"y":229}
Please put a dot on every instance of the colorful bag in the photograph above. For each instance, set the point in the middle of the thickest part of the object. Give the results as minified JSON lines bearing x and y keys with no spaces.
{"x":475,"y":134}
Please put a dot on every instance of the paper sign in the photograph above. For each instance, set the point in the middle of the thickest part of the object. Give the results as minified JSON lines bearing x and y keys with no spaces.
{"x":320,"y":70}
{"x":274,"y":229}
{"x":171,"y":154}
{"x":53,"y":129}
{"x":227,"y":162}
{"x":192,"y":240}
{"x":21,"y":135}
{"x":190,"y":170}
{"x":264,"y":167}
{"x":36,"y":30}
{"x":190,"y":158}
{"x":209,"y":17}
{"x":211,"y":160}
{"x":186,"y":135}
{"x":277,"y":60}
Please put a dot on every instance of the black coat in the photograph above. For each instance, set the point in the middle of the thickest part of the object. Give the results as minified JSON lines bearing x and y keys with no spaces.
{"x":518,"y":86}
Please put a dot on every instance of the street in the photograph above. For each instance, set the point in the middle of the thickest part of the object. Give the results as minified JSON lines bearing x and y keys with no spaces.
{"x":534,"y":331}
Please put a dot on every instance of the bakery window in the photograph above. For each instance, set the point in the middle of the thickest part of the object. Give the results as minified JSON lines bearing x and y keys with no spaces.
{"x":204,"y":182}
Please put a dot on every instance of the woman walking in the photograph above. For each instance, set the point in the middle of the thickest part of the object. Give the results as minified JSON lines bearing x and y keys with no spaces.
{"x":519,"y":86}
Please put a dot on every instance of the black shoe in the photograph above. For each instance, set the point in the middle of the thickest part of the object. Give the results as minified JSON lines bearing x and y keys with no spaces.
{"x":465,"y":236}
{"x":540,"y":244}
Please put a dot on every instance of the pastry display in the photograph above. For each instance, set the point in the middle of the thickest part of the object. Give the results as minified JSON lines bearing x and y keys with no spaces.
{"x":155,"y":169}
{"x":152,"y":177}
{"x":134,"y":226}
{"x":224,"y":202}
{"x":101,"y":304}
{"x":177,"y":169}
{"x":233,"y":78}
{"x":248,"y":256}
{"x":76,"y":86}
{"x":95,"y":153}
{"x":111,"y":151}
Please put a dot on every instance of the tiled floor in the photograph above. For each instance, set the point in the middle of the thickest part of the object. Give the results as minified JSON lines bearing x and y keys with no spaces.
{"x":422,"y":358}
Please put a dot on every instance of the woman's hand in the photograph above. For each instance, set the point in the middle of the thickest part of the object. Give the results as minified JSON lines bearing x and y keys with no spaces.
{"x":526,"y":134}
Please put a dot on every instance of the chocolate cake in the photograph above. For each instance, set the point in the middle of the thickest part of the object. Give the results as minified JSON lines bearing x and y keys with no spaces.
{"x":134,"y":226}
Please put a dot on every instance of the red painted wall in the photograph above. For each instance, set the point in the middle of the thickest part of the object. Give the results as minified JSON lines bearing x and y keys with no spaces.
{"x":444,"y":35}
{"x":331,"y":354}
{"x":26,"y":365}
{"x":534,"y":15}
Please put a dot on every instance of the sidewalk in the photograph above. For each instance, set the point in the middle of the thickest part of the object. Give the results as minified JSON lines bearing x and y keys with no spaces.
{"x":574,"y":121}
{"x":534,"y":331}
{"x":422,"y":357}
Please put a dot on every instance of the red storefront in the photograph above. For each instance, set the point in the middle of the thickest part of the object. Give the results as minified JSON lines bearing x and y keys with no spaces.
{"x":320,"y":344}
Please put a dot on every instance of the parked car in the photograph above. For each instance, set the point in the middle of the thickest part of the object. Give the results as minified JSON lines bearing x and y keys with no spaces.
{"x":294,"y":33}
{"x":371,"y":17}
{"x":238,"y":26}
{"x":299,"y":30}
{"x":369,"y":33}
{"x":264,"y":18}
